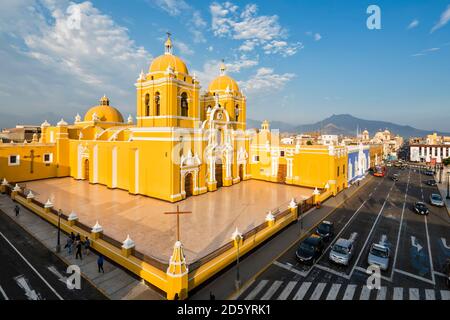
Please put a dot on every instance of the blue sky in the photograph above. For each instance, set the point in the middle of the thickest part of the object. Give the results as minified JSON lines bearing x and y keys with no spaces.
{"x":297,"y":61}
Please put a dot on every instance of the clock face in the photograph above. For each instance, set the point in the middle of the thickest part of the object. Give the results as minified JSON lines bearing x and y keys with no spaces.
{"x":219,"y":115}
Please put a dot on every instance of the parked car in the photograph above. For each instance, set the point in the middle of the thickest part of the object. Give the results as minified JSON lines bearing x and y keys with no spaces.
{"x":342,"y":251}
{"x":379,"y":255}
{"x":395,"y":177}
{"x":429,"y":172}
{"x":421,"y":208}
{"x":431,"y":182}
{"x":310,"y":249}
{"x":325,"y":230}
{"x":436,"y":200}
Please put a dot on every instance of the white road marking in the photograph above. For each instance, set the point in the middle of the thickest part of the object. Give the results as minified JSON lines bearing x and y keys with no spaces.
{"x":429,"y":251}
{"x":332,"y":294}
{"x":287,"y":290}
{"x":60,"y":277}
{"x":415,"y":276}
{"x":429,"y":294}
{"x":340,"y":274}
{"x":444,"y":242}
{"x":383,"y":239}
{"x":271,"y":291}
{"x":365,"y":293}
{"x":29,"y":264}
{"x":349,"y":292}
{"x":289,"y":267}
{"x":398,"y":293}
{"x":29,"y":291}
{"x":381,"y":276}
{"x":3,"y":293}
{"x":256,"y":290}
{"x":302,"y":291}
{"x":416,"y":244}
{"x":414,"y":294}
{"x":445,"y":295}
{"x":318,"y":291}
{"x":381,"y":295}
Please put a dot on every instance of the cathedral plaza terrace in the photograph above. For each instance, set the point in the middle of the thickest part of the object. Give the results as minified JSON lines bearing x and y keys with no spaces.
{"x":214,"y":218}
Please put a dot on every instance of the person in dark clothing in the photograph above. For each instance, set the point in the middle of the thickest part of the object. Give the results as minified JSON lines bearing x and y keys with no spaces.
{"x":69,"y":245}
{"x":212,"y":296}
{"x":87,"y":245}
{"x":78,"y":237}
{"x":79,"y":245}
{"x":72,"y":236}
{"x":100,"y":264}
{"x":17,"y":210}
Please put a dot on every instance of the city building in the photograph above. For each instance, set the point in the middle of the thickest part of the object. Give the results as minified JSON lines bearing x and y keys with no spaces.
{"x":358,"y":162}
{"x":20,"y":133}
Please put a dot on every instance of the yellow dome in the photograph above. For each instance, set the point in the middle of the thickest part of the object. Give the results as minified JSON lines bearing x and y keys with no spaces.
{"x":162,"y":62}
{"x":222,"y":82}
{"x":104,"y":112}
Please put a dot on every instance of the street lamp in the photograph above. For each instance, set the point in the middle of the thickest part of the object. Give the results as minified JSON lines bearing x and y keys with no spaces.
{"x":448,"y":184}
{"x":441,"y":167}
{"x":58,"y":244}
{"x":237,"y":237}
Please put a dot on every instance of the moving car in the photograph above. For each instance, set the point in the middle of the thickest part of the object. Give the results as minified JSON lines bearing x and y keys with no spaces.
{"x":421,"y":208}
{"x":379,"y":255}
{"x":431,"y":182}
{"x":310,"y":249}
{"x":395,"y":177}
{"x":325,"y":230}
{"x":436,"y":200}
{"x":342,"y":251}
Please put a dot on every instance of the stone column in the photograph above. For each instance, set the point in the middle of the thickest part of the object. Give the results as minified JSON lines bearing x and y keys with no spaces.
{"x":96,"y":231}
{"x":294,"y":209}
{"x":128,"y":246}
{"x":177,"y":274}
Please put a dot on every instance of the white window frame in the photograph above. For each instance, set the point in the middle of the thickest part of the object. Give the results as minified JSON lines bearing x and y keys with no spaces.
{"x":51,"y":157}
{"x":17,"y":163}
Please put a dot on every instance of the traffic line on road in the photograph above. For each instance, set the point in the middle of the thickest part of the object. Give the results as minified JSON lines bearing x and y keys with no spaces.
{"x":31,"y":266}
{"x":365,"y":293}
{"x":358,"y":268}
{"x":382,"y":292}
{"x":256,"y":290}
{"x":60,"y":277}
{"x":291,"y":268}
{"x":287,"y":290}
{"x":398,"y":293}
{"x":29,"y":291}
{"x":273,"y":288}
{"x":430,"y":294}
{"x":3,"y":293}
{"x":349,"y":292}
{"x":317,"y":293}
{"x":414,"y":276}
{"x":445,"y":295}
{"x":302,"y":291}
{"x":414,"y":294}
{"x":337,"y":273}
{"x":332,"y":294}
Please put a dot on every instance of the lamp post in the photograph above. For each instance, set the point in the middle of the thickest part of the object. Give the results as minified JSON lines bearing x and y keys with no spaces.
{"x":448,"y":184}
{"x":58,"y":244}
{"x":441,"y":167}
{"x":237,"y":238}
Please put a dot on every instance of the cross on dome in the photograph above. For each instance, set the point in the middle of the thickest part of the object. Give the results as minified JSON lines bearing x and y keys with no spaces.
{"x":222,"y":68}
{"x":168,"y":44}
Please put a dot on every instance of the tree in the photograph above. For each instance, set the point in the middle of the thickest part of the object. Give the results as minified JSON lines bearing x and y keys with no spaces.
{"x":446,"y":161}
{"x":309,"y":143}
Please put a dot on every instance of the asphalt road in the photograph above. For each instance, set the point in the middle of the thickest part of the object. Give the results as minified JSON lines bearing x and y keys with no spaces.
{"x":29,"y":271}
{"x":381,"y":210}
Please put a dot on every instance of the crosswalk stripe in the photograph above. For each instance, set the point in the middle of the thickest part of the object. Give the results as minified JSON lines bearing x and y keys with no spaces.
{"x":287,"y":290}
{"x":381,"y":295}
{"x":414,"y":294}
{"x":318,"y":291}
{"x":365,"y":293}
{"x":3,"y":293}
{"x":398,"y":293}
{"x":349,"y":292}
{"x":273,"y":288}
{"x":429,"y":294}
{"x":332,"y":294}
{"x":445,"y":295}
{"x":302,"y":291}
{"x":256,"y":290}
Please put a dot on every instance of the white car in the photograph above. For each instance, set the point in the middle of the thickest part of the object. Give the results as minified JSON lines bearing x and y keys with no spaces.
{"x":379,"y":256}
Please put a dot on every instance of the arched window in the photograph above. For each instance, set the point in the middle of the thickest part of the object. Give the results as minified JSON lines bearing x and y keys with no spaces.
{"x":157,"y":104}
{"x":147,"y":105}
{"x":184,"y":104}
{"x":236,"y":112}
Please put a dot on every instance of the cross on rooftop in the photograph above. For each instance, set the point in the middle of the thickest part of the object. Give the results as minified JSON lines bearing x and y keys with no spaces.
{"x":178,"y":212}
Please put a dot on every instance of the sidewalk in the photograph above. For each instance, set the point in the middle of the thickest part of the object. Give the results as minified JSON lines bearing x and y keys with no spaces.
{"x":115,"y":283}
{"x":443,"y":187}
{"x":258,"y":260}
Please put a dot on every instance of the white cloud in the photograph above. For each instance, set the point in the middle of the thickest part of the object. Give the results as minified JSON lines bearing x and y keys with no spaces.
{"x":445,"y":18}
{"x":264,"y":79}
{"x":413,"y":24}
{"x":59,"y":64}
{"x":317,"y":36}
{"x":253,"y":29}
{"x":183,"y":47}
{"x":425,"y":52}
{"x":172,"y":7}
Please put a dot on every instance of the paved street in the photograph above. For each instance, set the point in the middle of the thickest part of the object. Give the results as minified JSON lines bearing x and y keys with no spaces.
{"x":382,"y":209}
{"x":29,"y":271}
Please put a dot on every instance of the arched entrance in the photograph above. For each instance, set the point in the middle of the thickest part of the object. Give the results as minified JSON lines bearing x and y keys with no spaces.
{"x":241,"y":172}
{"x":86,"y":169}
{"x":281,"y":176}
{"x":219,"y":174}
{"x":189,"y":184}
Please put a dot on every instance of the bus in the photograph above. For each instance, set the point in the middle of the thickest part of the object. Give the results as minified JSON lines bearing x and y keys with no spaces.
{"x":380,"y":171}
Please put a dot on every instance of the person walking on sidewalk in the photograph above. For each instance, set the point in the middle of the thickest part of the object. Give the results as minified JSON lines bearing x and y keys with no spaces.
{"x":87,"y":245}
{"x":78,"y":246}
{"x":17,"y":210}
{"x":72,"y":237}
{"x":69,"y":245}
{"x":100,"y":264}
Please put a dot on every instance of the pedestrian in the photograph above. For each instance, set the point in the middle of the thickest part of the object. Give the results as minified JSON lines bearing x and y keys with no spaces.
{"x":17,"y":209}
{"x":78,"y":246}
{"x":72,"y":237}
{"x":212,"y":296}
{"x":78,"y":237}
{"x":68,"y":245}
{"x":100,"y":264}
{"x":87,"y":245}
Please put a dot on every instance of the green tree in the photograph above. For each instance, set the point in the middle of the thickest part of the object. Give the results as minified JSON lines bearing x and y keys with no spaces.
{"x":309,"y":143}
{"x":447,"y":161}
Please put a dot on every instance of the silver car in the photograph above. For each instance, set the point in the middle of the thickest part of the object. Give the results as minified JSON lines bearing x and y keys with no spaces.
{"x":436,"y":200}
{"x":342,"y":251}
{"x":379,"y":255}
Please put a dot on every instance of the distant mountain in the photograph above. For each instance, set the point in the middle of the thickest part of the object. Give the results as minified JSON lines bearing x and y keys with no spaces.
{"x":345,"y":124}
{"x":10,"y":120}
